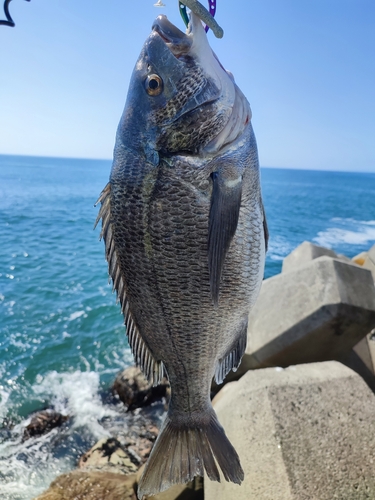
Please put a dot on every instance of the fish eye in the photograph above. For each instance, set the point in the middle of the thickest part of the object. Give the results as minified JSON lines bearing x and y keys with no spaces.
{"x":154,"y":85}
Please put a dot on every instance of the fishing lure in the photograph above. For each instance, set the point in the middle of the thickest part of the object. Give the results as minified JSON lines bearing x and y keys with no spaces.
{"x":9,"y":21}
{"x":205,"y":15}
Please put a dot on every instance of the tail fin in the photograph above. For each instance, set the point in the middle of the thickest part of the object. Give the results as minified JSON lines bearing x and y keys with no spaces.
{"x":184,"y":450}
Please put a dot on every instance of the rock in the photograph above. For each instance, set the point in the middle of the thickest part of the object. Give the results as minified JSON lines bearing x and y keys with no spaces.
{"x":139,"y":442}
{"x":306,"y":432}
{"x":303,"y":254}
{"x":43,"y":422}
{"x":141,"y":449}
{"x":135,"y":391}
{"x":360,"y":258}
{"x":127,"y":455}
{"x":189,"y":491}
{"x":91,"y":485}
{"x":318,"y":312}
{"x":108,"y":453}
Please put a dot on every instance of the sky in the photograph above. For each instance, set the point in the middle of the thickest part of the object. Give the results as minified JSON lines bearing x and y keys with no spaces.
{"x":307,"y":68}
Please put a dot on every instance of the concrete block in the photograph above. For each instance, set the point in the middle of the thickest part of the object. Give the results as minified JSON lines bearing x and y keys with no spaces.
{"x":303,"y":433}
{"x":371,"y":253}
{"x":360,"y":258}
{"x":361,"y":360}
{"x":318,"y":312}
{"x":369,"y":264}
{"x":303,"y":254}
{"x":365,"y":349}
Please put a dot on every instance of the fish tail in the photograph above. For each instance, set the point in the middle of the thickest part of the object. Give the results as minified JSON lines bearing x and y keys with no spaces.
{"x":185,"y":448}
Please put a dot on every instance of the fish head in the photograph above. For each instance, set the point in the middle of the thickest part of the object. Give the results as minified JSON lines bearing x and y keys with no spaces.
{"x":180,"y":96}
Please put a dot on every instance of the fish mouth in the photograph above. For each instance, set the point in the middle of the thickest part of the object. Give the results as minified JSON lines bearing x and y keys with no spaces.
{"x":178,"y":42}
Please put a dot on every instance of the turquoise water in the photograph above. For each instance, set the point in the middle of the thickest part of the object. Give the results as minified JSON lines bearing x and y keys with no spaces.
{"x":57,"y":310}
{"x":62,"y":339}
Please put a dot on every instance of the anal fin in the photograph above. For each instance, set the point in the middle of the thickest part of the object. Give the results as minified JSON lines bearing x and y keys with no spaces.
{"x":153,"y":369}
{"x":232,"y":360}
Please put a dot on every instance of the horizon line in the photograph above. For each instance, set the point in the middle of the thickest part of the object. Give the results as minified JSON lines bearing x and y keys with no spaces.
{"x":261,"y":166}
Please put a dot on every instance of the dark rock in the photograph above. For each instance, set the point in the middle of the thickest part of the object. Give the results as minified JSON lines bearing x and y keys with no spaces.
{"x":135,"y":391}
{"x":108,"y":453}
{"x":139,"y":445}
{"x":91,"y":485}
{"x":127,"y":453}
{"x":43,"y":422}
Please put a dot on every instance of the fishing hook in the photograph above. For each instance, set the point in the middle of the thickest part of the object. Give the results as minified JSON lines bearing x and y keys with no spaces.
{"x":205,"y":15}
{"x":9,"y":21}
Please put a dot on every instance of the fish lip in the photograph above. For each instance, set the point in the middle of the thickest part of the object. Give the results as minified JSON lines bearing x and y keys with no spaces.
{"x":178,"y":42}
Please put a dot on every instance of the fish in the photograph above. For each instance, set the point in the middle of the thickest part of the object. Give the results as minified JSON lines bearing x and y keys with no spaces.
{"x":185,"y":238}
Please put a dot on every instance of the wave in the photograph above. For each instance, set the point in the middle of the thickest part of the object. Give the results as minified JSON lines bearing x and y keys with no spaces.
{"x":347,"y":232}
{"x":77,"y":314}
{"x":353,"y":221}
{"x":28,"y":467}
{"x":77,"y":395}
{"x":278,"y":248}
{"x":4,"y":396}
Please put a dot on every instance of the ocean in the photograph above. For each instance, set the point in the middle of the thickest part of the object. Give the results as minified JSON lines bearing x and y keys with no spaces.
{"x":62,"y":339}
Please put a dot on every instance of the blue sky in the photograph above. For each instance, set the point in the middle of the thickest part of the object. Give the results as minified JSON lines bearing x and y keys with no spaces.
{"x":307,"y":68}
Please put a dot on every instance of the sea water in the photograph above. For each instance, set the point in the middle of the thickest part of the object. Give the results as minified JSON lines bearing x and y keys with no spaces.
{"x":62,"y":338}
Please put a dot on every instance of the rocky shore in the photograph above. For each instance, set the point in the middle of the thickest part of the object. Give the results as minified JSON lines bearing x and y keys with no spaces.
{"x":300,"y":409}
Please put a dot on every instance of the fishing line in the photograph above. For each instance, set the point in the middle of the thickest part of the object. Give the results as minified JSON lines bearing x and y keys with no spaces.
{"x":9,"y":21}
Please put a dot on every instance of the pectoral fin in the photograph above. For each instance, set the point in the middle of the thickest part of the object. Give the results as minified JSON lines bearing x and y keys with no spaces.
{"x":224,"y":212}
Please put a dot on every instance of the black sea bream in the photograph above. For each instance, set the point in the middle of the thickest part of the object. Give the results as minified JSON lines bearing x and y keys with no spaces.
{"x":185,"y":235}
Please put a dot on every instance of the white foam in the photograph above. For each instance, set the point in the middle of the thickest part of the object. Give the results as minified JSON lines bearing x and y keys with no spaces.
{"x":355,"y":233}
{"x":278,"y":248}
{"x":77,"y":395}
{"x":353,"y":221}
{"x":76,"y":315}
{"x":28,"y":467}
{"x":4,"y":396}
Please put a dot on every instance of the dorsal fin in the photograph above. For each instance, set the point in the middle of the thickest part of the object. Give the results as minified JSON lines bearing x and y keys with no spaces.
{"x":154,"y":370}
